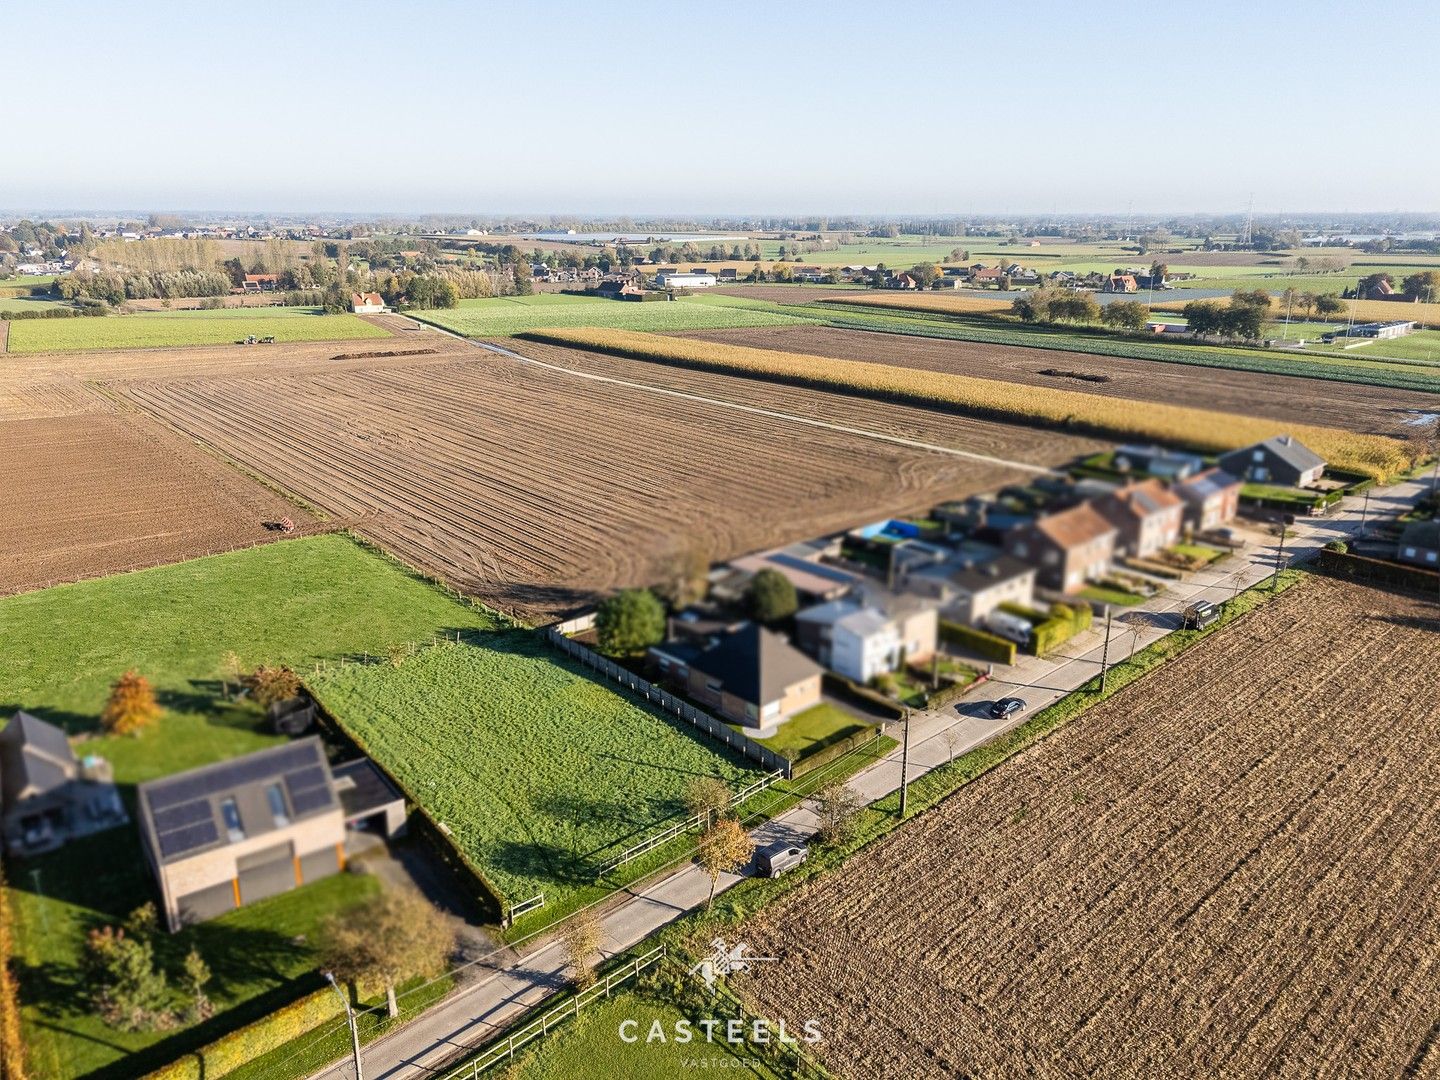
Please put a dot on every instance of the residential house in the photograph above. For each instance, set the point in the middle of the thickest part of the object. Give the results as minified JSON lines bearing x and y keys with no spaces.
{"x":228,"y":834}
{"x":752,"y":676}
{"x":1121,"y":283}
{"x":1068,"y":548}
{"x":260,"y":282}
{"x":46,"y":796}
{"x":968,"y":590}
{"x":620,"y":290}
{"x":1157,"y":461}
{"x":728,"y":273}
{"x":809,"y":273}
{"x":1282,"y":460}
{"x":1420,"y":544}
{"x":903,"y":280}
{"x":1147,"y":514}
{"x":856,"y":641}
{"x":370,"y":303}
{"x":801,"y":564}
{"x":916,"y":618}
{"x":987,"y":275}
{"x":1212,"y":499}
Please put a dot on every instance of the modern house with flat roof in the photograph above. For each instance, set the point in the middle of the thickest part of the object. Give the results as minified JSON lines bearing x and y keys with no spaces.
{"x":1420,"y":544}
{"x":238,"y":831}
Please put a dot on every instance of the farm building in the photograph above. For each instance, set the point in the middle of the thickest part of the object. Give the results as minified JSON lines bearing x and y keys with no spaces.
{"x":228,"y":834}
{"x":1375,"y":331}
{"x":46,"y":796}
{"x":1157,"y":461}
{"x":1282,"y":459}
{"x":1420,"y":544}
{"x":369,"y":303}
{"x":681,"y":279}
{"x":753,"y":677}
{"x":260,"y":282}
{"x":1211,"y":499}
{"x":1121,"y":283}
{"x":1147,"y":515}
{"x":620,"y":290}
{"x":1067,"y":548}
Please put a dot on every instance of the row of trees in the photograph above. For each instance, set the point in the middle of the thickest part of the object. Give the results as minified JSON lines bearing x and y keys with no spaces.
{"x":114,"y":287}
{"x":1243,"y":317}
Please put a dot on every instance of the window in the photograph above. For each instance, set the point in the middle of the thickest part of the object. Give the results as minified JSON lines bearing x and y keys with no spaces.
{"x":1409,"y":553}
{"x":1431,"y":556}
{"x":278,"y":810}
{"x":233,"y":826}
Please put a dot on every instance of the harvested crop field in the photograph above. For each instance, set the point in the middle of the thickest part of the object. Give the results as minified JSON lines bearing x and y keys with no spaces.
{"x":536,"y":488}
{"x":98,"y":492}
{"x":1182,"y":882}
{"x":1353,"y":407}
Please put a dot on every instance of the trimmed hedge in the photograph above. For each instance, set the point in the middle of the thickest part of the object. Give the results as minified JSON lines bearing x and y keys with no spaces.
{"x":810,"y":762}
{"x":1062,"y":624}
{"x":862,"y":696}
{"x":991,"y":646}
{"x":229,"y":1052}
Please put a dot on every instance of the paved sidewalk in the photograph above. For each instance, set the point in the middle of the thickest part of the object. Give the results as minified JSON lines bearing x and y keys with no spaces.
{"x":476,"y":1013}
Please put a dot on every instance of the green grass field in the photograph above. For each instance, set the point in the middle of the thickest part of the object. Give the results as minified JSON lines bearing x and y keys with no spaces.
{"x":537,"y":770}
{"x":173,"y":328}
{"x":291,"y":602}
{"x":591,"y":1046}
{"x":26,"y":280}
{"x":19,"y":304}
{"x":1422,"y":345}
{"x":503,"y":316}
{"x":816,"y":727}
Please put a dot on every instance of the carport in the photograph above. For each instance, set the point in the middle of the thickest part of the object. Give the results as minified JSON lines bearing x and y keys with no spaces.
{"x":370,"y":801}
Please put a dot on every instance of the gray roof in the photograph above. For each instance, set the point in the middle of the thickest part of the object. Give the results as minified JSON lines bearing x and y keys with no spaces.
{"x":1000,"y":571}
{"x":755,"y":665}
{"x":1285,"y":447}
{"x":181,"y":814}
{"x":364,"y":788}
{"x":1422,"y":534}
{"x":1205,"y":485}
{"x":35,"y":758}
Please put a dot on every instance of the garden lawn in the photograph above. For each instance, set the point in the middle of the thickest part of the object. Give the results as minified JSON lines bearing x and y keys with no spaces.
{"x":537,"y":770}
{"x":591,"y":1046}
{"x":176,"y":328}
{"x":1104,"y":594}
{"x":815,"y":728}
{"x":503,"y":316}
{"x":292,"y":602}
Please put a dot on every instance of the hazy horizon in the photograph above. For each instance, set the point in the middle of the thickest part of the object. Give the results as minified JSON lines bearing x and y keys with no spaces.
{"x":741,"y":110}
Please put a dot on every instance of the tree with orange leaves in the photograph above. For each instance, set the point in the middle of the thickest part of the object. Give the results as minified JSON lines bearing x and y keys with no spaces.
{"x":132,"y":706}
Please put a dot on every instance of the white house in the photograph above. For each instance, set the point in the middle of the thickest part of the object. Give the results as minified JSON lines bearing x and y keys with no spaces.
{"x":857,"y":642}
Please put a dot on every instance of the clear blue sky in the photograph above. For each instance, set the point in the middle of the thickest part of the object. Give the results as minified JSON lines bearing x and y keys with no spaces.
{"x":721,"y":107}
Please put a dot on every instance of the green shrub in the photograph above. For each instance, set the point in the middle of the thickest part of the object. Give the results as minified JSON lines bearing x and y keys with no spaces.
{"x":991,"y":646}
{"x":1063,"y":623}
{"x":229,"y":1052}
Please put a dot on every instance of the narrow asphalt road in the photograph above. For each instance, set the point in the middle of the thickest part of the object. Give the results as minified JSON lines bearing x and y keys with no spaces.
{"x":479,"y":1011}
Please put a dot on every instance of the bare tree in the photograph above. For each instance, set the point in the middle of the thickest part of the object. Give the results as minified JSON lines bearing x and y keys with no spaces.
{"x":709,"y":796}
{"x":392,"y":937}
{"x":582,"y":941}
{"x":836,"y":805}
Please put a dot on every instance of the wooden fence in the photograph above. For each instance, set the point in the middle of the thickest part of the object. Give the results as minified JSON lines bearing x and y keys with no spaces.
{"x":767,"y":758}
{"x":504,"y":1049}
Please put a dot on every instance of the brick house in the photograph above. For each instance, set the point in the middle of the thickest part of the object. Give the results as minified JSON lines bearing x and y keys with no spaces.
{"x":1212,"y":498}
{"x":751,"y":676}
{"x":1068,"y":548}
{"x":370,"y":303}
{"x":1147,"y":514}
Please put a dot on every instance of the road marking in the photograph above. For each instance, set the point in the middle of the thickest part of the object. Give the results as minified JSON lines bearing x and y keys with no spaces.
{"x":774,"y":414}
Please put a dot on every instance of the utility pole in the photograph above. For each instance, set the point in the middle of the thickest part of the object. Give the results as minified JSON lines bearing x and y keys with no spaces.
{"x":1364,"y":511}
{"x":1105,"y":656}
{"x":1285,"y":523}
{"x":350,"y":1016}
{"x":905,"y":766}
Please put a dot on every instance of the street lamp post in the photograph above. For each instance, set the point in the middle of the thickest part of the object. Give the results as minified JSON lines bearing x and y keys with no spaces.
{"x":905,"y":766}
{"x":350,"y":1016}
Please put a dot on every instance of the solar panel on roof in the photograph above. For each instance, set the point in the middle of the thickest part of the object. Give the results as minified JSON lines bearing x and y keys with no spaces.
{"x":182,"y":789}
{"x":188,"y":838}
{"x":308,"y":789}
{"x":184,"y":814}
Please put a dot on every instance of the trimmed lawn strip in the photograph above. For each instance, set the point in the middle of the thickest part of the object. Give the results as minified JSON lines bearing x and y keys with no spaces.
{"x":222,"y":326}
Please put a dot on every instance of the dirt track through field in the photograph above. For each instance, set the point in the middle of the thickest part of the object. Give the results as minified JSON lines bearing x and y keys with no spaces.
{"x":536,"y":489}
{"x":1351,"y":406}
{"x":1229,"y":869}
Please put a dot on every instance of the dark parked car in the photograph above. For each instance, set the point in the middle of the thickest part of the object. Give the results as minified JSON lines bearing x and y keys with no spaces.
{"x":774,"y":859}
{"x":1006,"y":706}
{"x":1199,"y":615}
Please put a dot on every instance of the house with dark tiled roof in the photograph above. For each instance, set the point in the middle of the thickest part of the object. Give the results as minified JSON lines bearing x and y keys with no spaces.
{"x":1147,"y":516}
{"x":751,"y":676}
{"x":1420,"y":544}
{"x":1282,"y":459}
{"x":1068,"y":548}
{"x":238,"y":831}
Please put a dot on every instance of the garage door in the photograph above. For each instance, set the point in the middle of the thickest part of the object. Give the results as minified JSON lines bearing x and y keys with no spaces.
{"x":319,"y":864}
{"x":266,"y":873}
{"x":207,"y":903}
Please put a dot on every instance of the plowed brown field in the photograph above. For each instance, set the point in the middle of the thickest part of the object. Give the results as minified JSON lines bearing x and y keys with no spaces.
{"x":1353,"y":407}
{"x":98,"y":492}
{"x":1231,"y":868}
{"x":535,"y":489}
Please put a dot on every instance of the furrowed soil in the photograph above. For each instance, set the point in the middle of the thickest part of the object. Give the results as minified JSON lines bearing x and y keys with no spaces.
{"x":535,"y":489}
{"x":98,"y":492}
{"x":1353,"y":407}
{"x":1228,"y":869}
